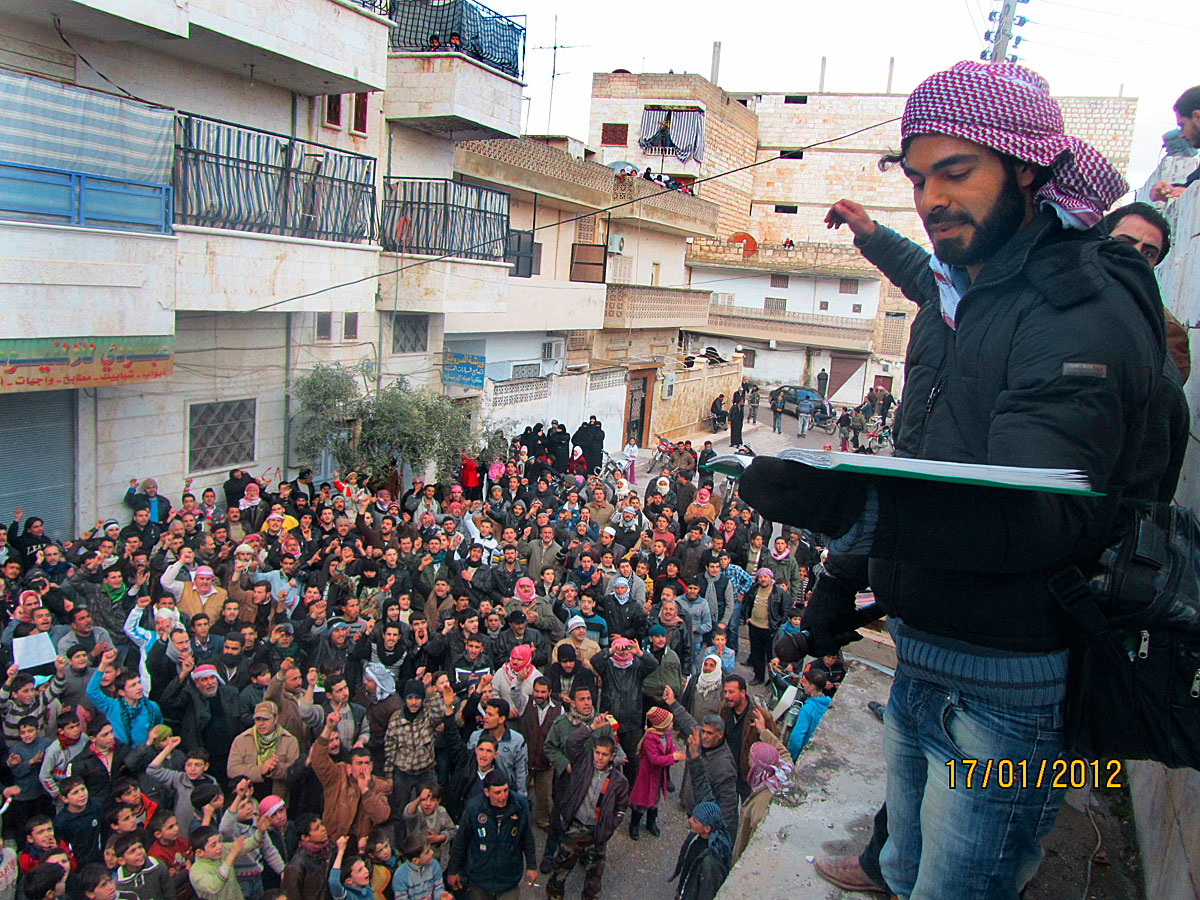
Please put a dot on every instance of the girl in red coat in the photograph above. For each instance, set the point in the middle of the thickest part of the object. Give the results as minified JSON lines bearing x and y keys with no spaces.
{"x":468,"y":477}
{"x":656,"y":753}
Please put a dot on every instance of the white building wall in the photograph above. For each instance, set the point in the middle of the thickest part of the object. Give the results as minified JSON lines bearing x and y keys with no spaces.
{"x":804,"y":293}
{"x":645,"y":247}
{"x":141,"y":430}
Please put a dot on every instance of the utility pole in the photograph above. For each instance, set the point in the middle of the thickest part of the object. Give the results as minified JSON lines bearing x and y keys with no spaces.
{"x":1004,"y":32}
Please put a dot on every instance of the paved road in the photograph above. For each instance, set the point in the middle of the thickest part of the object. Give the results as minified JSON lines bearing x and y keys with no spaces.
{"x":639,"y":870}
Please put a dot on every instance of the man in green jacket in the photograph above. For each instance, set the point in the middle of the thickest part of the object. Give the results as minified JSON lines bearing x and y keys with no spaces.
{"x":670,"y":670}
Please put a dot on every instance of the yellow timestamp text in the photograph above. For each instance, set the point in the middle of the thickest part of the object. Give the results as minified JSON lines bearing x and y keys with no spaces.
{"x":1021,"y":773}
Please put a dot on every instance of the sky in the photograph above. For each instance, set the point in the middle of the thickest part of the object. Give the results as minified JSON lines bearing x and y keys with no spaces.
{"x":1082,"y":47}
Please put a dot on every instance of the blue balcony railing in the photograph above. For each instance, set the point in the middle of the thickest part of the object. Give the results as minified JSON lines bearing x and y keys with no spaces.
{"x":231,"y":176}
{"x":482,"y":33}
{"x":58,"y":197}
{"x":438,"y":217}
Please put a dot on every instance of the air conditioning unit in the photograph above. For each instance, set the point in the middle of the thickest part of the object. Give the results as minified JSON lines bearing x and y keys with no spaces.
{"x":668,"y":384}
{"x":616,"y":243}
{"x":553,"y":349}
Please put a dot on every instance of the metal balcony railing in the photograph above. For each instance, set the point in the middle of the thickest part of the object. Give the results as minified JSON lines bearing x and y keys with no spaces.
{"x":439,"y":217}
{"x":58,"y":197}
{"x":231,"y":176}
{"x":379,"y":7}
{"x":486,"y":35}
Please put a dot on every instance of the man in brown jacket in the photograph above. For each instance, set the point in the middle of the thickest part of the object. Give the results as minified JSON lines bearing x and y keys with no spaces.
{"x":741,"y":732}
{"x":263,"y":753}
{"x":355,"y":800}
{"x":533,"y":725}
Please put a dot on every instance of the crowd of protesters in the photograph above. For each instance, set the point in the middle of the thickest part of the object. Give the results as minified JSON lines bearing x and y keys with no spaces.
{"x":324,"y":689}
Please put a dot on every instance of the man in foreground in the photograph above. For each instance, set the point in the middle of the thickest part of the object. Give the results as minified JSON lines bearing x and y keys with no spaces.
{"x":1011,"y":362}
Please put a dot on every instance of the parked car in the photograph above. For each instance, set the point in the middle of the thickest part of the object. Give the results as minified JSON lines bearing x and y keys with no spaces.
{"x":793,"y":394}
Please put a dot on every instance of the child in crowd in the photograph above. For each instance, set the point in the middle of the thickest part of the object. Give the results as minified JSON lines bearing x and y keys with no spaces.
{"x":421,"y":875}
{"x":78,"y":822}
{"x":382,"y":859}
{"x":425,"y":816}
{"x":140,"y":875}
{"x":355,"y":882}
{"x":25,"y":762}
{"x":720,"y":648}
{"x":171,"y":849}
{"x":40,"y":842}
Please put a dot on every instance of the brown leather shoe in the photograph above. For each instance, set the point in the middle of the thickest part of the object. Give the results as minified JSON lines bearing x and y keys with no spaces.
{"x":846,"y":873}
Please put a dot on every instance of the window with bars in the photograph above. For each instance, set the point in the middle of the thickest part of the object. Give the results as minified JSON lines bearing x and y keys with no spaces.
{"x":221,"y":434}
{"x":359,"y":123}
{"x":350,"y":327}
{"x":775,"y":304}
{"x":410,"y":334}
{"x":579,"y":340}
{"x":588,"y":263}
{"x":856,"y":307}
{"x":324,"y":326}
{"x":848,"y":286}
{"x":779,"y":281}
{"x":823,"y":306}
{"x":333,"y":110}
{"x":527,"y":370}
{"x":614,"y":134}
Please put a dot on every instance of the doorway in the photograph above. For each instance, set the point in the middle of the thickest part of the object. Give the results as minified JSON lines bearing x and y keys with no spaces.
{"x":637,"y":405}
{"x":885,"y":382}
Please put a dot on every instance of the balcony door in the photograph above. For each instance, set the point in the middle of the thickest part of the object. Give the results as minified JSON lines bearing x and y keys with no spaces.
{"x":637,"y":405}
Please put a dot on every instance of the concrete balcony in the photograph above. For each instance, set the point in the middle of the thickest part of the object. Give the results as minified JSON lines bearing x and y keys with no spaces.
{"x":831,"y":260}
{"x":452,"y":95}
{"x":455,"y":288}
{"x":643,"y":306}
{"x":535,"y":167}
{"x":833,"y":332}
{"x":308,"y":46}
{"x":533,"y":304}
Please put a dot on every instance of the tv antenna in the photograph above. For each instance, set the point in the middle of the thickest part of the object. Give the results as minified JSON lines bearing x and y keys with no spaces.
{"x":554,"y":73}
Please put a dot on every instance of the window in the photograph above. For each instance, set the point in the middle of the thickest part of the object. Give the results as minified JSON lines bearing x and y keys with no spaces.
{"x":614,"y":134}
{"x":747,"y":358}
{"x":588,"y":262}
{"x":788,"y":208}
{"x":579,"y":340}
{"x":795,"y":98}
{"x":333,"y":110}
{"x":856,"y":307}
{"x":791,"y":154}
{"x":410,"y":334}
{"x":779,"y":281}
{"x":350,"y":327}
{"x":823,"y":306}
{"x":527,"y":370}
{"x":895,"y":326}
{"x":524,"y":253}
{"x":848,"y":286}
{"x":324,"y":326}
{"x":722,"y":298}
{"x":655,"y":273}
{"x":775,"y":304}
{"x":359,"y":125}
{"x":221,"y":434}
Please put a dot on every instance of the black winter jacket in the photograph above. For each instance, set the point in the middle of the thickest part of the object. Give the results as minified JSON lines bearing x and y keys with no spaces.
{"x":1056,"y":361}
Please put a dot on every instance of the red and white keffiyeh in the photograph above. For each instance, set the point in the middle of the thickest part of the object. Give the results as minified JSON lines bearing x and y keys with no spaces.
{"x":1008,"y":108}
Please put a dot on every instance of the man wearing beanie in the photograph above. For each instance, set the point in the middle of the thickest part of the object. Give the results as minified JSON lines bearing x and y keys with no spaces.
{"x":585,"y":648}
{"x":669,"y":672}
{"x":1035,"y":335}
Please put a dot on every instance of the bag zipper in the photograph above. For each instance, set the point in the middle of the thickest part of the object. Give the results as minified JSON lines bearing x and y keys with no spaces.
{"x":1196,"y":686}
{"x":1144,"y":646}
{"x":938,"y":382}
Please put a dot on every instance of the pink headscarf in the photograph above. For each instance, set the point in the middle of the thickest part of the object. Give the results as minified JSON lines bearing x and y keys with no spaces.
{"x":1008,"y":108}
{"x":525,"y":589}
{"x":766,"y":767}
{"x":520,"y":659}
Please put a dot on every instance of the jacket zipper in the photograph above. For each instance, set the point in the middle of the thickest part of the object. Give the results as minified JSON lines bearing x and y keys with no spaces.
{"x":938,"y":383}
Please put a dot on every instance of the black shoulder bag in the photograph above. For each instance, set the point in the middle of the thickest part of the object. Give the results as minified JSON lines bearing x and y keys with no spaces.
{"x":1133,"y":691}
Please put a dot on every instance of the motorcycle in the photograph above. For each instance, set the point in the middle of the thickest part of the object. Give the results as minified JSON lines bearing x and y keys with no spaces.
{"x":662,"y":453}
{"x":879,"y":438}
{"x":718,"y":421}
{"x":827,"y":422}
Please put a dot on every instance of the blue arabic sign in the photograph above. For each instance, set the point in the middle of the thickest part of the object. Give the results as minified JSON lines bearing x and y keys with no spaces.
{"x":463,"y":369}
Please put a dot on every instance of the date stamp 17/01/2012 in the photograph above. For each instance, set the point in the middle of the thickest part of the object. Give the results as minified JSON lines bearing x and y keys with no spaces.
{"x":1021,"y":773}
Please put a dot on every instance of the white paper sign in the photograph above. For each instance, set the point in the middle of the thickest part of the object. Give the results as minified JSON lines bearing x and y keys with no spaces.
{"x":34,"y":650}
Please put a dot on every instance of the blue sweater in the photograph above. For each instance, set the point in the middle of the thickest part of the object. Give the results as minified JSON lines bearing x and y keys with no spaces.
{"x":144,"y":716}
{"x":416,"y":883}
{"x":806,"y":723}
{"x":339,"y":891}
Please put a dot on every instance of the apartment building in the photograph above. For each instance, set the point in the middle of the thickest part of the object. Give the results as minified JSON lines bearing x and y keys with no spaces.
{"x":789,"y":295}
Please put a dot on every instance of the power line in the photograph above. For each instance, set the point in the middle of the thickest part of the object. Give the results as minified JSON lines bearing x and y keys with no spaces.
{"x":1119,"y":15}
{"x":483,"y":244}
{"x":1157,"y":45}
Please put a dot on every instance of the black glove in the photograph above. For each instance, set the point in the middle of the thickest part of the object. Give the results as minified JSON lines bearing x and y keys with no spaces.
{"x":795,"y":494}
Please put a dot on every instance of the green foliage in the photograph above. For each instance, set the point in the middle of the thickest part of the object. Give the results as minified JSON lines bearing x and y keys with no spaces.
{"x":368,"y":432}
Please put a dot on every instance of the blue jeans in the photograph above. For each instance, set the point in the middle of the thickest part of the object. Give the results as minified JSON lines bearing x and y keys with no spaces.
{"x":776,"y":420}
{"x":965,"y":843}
{"x":735,"y":621}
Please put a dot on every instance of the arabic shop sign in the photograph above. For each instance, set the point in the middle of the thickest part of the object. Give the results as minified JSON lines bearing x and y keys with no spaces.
{"x":50,"y":364}
{"x":463,"y":369}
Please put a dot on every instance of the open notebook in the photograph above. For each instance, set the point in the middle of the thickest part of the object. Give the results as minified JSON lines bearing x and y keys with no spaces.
{"x":1059,"y":481}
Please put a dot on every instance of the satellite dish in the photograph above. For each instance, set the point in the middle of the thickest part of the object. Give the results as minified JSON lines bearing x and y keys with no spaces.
{"x":749,"y":244}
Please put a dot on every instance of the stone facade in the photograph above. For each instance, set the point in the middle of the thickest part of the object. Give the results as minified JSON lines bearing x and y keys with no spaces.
{"x":452,"y":95}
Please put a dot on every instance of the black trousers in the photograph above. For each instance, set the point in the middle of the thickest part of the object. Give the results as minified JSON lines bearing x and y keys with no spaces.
{"x":760,"y":649}
{"x":869,"y":858}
